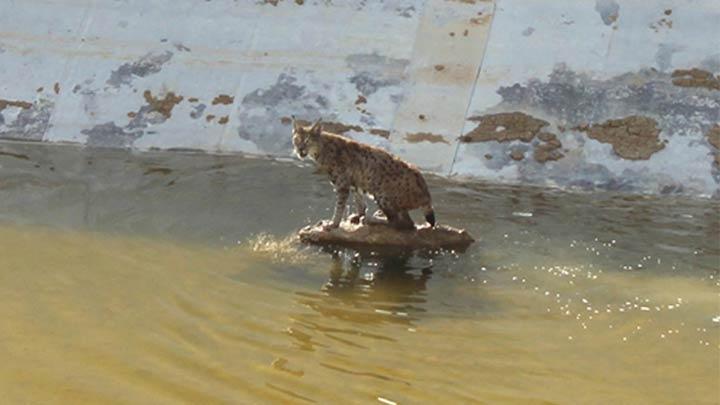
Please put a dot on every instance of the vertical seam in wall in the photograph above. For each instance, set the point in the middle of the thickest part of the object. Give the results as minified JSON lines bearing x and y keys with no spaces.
{"x":65,"y":74}
{"x":234,"y":107}
{"x":474,"y":85}
{"x":407,"y":85}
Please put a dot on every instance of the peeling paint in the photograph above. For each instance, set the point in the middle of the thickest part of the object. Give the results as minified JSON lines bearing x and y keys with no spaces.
{"x":340,"y":128}
{"x":223,"y":99}
{"x":14,"y":103}
{"x":337,"y":128}
{"x":261,"y":112}
{"x":504,"y":127}
{"x":110,"y":135}
{"x":147,"y":65}
{"x":549,"y":150}
{"x":425,"y":137}
{"x":695,"y":78}
{"x":31,"y":123}
{"x":517,"y":154}
{"x":574,"y":98}
{"x":634,"y":137}
{"x":713,"y":137}
{"x":546,"y":152}
{"x":380,"y":132}
{"x":550,"y":138}
{"x":197,"y":111}
{"x":661,"y":23}
{"x":481,"y":20}
{"x":163,"y":105}
{"x":157,"y":110}
{"x":365,"y":85}
{"x":284,"y":89}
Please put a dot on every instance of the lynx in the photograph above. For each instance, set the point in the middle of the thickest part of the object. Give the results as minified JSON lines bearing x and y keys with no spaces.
{"x":396,"y":186}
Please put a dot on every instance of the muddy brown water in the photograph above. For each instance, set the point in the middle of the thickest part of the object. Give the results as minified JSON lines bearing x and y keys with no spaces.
{"x":174,"y":278}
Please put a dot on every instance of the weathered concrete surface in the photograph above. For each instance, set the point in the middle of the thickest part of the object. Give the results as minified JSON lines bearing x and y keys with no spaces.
{"x":425,"y":237}
{"x":583,"y":66}
{"x":414,"y":76}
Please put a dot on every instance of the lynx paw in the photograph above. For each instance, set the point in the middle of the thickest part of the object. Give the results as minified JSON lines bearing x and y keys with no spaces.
{"x":327,"y":225}
{"x":378,"y":218}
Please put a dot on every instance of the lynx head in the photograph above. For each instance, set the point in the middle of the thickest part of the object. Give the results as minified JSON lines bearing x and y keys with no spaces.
{"x":305,"y":138}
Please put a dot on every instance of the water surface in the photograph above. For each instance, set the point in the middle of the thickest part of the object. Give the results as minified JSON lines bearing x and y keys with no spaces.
{"x":174,"y":278}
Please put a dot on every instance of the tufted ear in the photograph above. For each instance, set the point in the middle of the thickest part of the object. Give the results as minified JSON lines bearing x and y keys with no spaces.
{"x":316,"y":129}
{"x":296,"y":125}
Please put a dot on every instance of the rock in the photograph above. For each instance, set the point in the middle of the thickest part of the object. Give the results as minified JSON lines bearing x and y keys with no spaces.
{"x":383,"y":235}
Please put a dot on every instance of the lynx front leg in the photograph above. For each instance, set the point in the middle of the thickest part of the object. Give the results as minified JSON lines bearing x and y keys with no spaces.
{"x":342,"y":197}
{"x":360,"y":206}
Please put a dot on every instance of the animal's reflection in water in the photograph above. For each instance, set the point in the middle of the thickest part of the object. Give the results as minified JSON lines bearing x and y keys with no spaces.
{"x":368,"y":287}
{"x":386,"y":280}
{"x":365,"y":292}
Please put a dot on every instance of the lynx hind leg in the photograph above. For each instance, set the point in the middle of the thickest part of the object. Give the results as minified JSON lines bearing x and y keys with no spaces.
{"x":360,"y":206}
{"x":403,"y":221}
{"x":398,"y":219}
{"x":429,"y":214}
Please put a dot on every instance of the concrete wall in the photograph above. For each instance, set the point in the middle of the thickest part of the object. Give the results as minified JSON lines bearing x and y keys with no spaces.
{"x":610,"y":94}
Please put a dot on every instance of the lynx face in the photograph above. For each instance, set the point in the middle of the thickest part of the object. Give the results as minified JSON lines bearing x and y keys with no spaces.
{"x":300,"y":138}
{"x":303,"y":138}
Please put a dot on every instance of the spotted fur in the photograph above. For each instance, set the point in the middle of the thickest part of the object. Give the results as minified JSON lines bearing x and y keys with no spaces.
{"x":396,"y":186}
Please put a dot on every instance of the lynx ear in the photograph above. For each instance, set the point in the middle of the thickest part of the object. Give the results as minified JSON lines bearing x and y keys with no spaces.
{"x":295,"y":124}
{"x":316,"y":129}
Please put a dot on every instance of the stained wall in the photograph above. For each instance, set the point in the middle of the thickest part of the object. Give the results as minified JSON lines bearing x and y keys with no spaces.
{"x":578,"y":94}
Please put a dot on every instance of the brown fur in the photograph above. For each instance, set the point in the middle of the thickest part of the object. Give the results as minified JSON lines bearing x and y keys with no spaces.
{"x":395,"y":185}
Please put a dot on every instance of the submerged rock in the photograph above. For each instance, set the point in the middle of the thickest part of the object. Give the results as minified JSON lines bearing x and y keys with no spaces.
{"x":383,"y":235}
